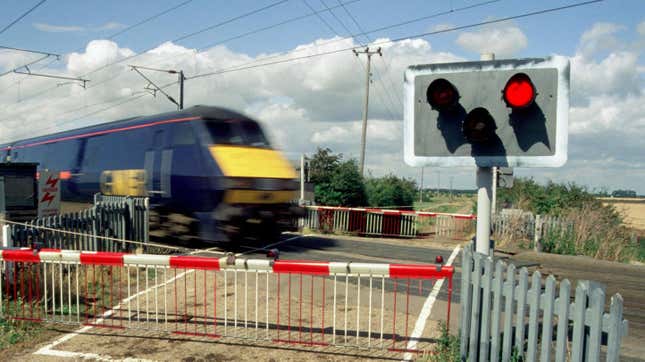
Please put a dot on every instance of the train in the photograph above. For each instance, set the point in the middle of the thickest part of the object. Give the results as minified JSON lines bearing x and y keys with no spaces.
{"x":208,"y":171}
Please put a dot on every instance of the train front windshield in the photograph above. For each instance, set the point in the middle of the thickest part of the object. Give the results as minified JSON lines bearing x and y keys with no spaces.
{"x":237,"y":132}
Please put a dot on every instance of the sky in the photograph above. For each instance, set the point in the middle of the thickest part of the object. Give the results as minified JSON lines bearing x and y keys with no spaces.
{"x":263,"y":58}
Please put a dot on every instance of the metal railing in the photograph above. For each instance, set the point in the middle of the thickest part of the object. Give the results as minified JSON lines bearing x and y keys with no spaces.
{"x":367,"y":307}
{"x":119,"y":219}
{"x":388,"y":223}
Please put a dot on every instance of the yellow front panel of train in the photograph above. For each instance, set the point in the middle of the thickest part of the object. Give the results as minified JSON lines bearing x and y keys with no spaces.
{"x":239,"y":161}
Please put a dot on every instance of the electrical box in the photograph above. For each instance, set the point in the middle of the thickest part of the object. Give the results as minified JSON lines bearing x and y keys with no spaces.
{"x":18,"y":191}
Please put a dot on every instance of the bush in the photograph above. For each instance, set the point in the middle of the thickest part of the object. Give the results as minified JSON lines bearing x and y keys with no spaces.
{"x":586,"y":226}
{"x":337,"y":182}
{"x":447,"y":348}
{"x":390,"y":191}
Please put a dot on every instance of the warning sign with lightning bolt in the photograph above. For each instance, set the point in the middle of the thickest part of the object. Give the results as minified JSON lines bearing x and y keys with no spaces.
{"x":49,"y":191}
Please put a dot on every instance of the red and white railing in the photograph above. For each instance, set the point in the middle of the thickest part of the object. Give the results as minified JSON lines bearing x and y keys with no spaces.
{"x":385,"y":222}
{"x":311,"y":303}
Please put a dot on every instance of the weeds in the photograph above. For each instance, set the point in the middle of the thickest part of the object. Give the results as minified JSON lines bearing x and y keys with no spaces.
{"x":447,"y":348}
{"x":12,"y":332}
{"x":585,"y":227}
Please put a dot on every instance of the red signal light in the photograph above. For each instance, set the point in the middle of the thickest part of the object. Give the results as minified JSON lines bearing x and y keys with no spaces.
{"x":442,"y":95}
{"x":519,"y":91}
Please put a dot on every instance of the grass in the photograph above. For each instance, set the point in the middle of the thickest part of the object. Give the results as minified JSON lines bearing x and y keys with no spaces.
{"x":447,"y":203}
{"x":641,"y":248}
{"x":12,"y":332}
{"x":447,"y":348}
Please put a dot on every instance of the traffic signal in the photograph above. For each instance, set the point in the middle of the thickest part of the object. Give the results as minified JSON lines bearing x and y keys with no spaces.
{"x":487,"y":113}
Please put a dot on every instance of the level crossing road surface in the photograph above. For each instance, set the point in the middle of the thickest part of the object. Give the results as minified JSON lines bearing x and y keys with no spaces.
{"x":104,"y":343}
{"x":120,"y":344}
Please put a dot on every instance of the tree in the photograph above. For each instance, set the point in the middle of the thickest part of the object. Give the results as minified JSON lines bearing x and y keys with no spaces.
{"x":623,"y":193}
{"x":390,"y":190}
{"x":551,"y":199}
{"x":322,"y":165}
{"x":337,"y":182}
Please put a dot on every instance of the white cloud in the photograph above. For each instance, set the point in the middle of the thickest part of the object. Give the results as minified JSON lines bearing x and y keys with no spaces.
{"x":111,"y":25}
{"x":609,"y":113}
{"x":505,"y":40}
{"x":442,"y":27}
{"x":601,"y":37}
{"x":97,"y":53}
{"x":640,"y":28}
{"x":58,"y":28}
{"x":616,"y":74}
{"x":318,"y":101}
{"x":49,"y":28}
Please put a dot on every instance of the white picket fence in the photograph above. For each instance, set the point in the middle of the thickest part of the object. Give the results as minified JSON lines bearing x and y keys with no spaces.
{"x":495,"y":299}
{"x":526,"y":225}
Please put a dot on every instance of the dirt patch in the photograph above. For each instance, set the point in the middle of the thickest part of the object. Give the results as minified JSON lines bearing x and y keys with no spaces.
{"x":45,"y":334}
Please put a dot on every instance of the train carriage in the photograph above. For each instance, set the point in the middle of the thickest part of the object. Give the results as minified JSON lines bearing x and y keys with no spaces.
{"x":208,"y":168}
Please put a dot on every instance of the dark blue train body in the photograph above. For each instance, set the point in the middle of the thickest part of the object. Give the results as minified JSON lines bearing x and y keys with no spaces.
{"x":211,"y":166}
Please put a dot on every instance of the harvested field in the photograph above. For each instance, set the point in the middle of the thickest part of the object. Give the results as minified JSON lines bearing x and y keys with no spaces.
{"x":632,"y":209}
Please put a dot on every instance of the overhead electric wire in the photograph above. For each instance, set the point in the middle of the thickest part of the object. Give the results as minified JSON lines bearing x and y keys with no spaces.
{"x":419,"y":35}
{"x":335,"y":32}
{"x":100,"y":83}
{"x":461,"y":27}
{"x":24,"y":65}
{"x":391,"y":26}
{"x":253,"y":12}
{"x":22,"y":16}
{"x":183,"y":37}
{"x":387,"y":90}
{"x":269,"y":27}
{"x":426,"y":17}
{"x":227,"y":21}
{"x":272,"y":5}
{"x":395,"y":40}
{"x":28,"y":50}
{"x":120,"y":32}
{"x":360,"y":28}
{"x":153,"y":17}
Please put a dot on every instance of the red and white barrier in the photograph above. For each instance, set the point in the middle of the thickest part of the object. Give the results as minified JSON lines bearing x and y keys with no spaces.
{"x":312,"y":303}
{"x":386,"y":222}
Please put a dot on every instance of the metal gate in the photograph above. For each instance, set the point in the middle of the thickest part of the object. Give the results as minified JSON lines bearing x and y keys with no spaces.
{"x":106,"y":226}
{"x":368,"y":307}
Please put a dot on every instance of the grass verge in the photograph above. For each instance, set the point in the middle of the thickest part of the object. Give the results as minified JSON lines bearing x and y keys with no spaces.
{"x":13,"y":332}
{"x":447,"y":347}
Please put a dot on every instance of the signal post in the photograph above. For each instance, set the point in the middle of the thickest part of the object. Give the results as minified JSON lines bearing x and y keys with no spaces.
{"x":488,"y":113}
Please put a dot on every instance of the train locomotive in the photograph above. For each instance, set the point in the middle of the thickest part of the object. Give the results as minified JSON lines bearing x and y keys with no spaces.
{"x":210,"y":168}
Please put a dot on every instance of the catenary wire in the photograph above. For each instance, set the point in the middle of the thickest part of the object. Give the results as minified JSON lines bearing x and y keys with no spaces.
{"x":387,"y":106}
{"x":425,"y":34}
{"x":120,"y":32}
{"x":22,"y":16}
{"x":183,"y":37}
{"x":390,"y":41}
